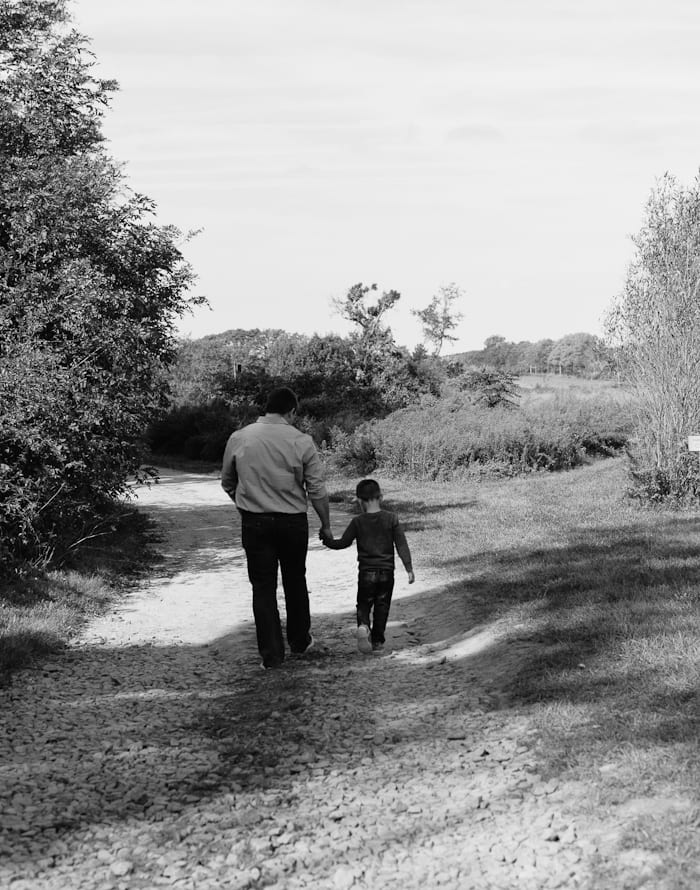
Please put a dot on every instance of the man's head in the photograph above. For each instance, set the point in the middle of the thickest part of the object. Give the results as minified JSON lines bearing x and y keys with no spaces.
{"x":281,"y":401}
{"x":368,"y":490}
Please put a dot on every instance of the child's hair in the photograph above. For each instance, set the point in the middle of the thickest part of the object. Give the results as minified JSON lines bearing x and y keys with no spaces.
{"x":368,"y":490}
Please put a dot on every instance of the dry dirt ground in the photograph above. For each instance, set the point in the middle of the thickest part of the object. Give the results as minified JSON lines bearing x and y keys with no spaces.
{"x":156,"y":752}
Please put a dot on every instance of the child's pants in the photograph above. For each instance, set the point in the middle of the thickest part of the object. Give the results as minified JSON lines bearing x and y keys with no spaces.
{"x":374,"y":589}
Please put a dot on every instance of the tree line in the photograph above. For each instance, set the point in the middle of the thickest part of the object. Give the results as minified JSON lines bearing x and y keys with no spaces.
{"x":579,"y":355}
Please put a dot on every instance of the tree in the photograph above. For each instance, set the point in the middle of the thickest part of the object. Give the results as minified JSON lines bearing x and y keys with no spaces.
{"x":490,"y":388}
{"x":496,"y":350}
{"x":89,"y":290}
{"x":656,"y":323}
{"x":374,"y":338}
{"x":536,"y":355}
{"x":439,"y":318}
{"x":577,"y":354}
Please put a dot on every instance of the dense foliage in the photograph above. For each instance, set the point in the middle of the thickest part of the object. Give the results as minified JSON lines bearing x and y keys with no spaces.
{"x":89,"y":289}
{"x":221,"y":382}
{"x":459,"y":435}
{"x":656,"y":321}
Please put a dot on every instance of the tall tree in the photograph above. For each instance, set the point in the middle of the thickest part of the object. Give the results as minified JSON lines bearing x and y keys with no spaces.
{"x":577,"y":354}
{"x":90,"y":287}
{"x":373,"y":337}
{"x":439,"y":318}
{"x":656,"y":323}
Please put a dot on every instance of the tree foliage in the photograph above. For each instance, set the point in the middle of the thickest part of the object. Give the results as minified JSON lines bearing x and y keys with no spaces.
{"x":656,"y":321}
{"x":490,"y":388}
{"x":581,"y":355}
{"x":89,"y":289}
{"x":372,"y":338}
{"x":439,"y":317}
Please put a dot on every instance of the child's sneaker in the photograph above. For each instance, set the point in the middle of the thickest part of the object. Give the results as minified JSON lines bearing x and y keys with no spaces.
{"x":377,"y":647}
{"x":364,"y":639}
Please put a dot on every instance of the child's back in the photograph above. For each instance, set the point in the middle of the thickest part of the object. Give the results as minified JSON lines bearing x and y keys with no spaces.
{"x":377,"y":532}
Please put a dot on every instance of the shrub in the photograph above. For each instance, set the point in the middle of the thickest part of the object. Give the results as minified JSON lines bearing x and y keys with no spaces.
{"x":197,"y":432}
{"x":678,"y":481}
{"x":447,"y":438}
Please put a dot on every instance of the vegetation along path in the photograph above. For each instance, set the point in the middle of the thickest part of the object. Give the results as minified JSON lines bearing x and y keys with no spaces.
{"x":156,"y":752}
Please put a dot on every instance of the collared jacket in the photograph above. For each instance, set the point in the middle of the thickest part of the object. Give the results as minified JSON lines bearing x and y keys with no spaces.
{"x":271,"y":467}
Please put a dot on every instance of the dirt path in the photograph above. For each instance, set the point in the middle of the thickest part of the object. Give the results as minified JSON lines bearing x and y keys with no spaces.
{"x":157,"y":753}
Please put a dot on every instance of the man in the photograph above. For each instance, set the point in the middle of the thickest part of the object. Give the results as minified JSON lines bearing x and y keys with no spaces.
{"x":269,"y":470}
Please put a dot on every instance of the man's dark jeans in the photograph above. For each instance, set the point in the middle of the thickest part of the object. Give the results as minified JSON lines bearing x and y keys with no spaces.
{"x":374,"y":589}
{"x":271,"y":540}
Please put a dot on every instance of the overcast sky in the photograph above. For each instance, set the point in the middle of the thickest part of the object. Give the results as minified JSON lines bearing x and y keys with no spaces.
{"x":503,"y":145}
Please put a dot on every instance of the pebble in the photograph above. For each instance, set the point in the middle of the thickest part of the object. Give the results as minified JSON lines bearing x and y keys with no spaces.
{"x":153,"y":765}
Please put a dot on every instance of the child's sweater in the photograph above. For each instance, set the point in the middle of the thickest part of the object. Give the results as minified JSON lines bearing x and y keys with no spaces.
{"x":376,"y":535}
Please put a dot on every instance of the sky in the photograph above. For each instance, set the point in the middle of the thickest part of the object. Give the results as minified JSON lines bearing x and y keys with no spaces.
{"x":508,"y":147}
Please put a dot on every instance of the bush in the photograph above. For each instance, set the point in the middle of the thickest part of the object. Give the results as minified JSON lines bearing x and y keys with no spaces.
{"x":678,"y":481}
{"x":447,"y":438}
{"x":89,"y":292}
{"x":196,"y":432}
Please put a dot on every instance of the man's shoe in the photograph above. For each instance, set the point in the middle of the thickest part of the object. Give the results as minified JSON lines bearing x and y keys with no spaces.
{"x":364,"y":639}
{"x":309,"y":646}
{"x":377,"y":647}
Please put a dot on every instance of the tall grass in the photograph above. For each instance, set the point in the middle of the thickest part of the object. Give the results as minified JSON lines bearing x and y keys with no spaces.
{"x":451,"y":438}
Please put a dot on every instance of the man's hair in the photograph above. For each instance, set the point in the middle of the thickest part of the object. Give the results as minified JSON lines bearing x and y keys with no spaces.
{"x":368,"y":490}
{"x":281,"y":401}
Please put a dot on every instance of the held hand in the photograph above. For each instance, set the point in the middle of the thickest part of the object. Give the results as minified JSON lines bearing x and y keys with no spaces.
{"x":325,"y":534}
{"x":411,"y":577}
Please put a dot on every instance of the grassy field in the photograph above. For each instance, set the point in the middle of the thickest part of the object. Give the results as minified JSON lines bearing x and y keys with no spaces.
{"x":40,"y":613}
{"x":569,"y":383}
{"x":601,"y":602}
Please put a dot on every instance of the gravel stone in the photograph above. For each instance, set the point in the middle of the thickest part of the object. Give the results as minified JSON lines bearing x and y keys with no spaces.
{"x":155,"y":753}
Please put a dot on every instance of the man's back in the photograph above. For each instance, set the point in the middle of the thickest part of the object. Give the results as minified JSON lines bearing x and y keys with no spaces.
{"x":270,"y":466}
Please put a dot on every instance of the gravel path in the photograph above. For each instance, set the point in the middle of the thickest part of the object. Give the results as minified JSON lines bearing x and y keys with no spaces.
{"x":155,"y":752}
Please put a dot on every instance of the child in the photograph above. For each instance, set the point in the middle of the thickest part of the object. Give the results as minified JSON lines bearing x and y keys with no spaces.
{"x":377,"y":532}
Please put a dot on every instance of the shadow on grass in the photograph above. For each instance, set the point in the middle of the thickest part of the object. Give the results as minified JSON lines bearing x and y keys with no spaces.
{"x":415,"y":515}
{"x":608,"y":624}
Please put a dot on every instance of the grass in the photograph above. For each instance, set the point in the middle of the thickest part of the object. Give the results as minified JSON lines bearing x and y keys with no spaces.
{"x":39,"y":614}
{"x":543,"y":383}
{"x":451,"y":438}
{"x":599,"y":604}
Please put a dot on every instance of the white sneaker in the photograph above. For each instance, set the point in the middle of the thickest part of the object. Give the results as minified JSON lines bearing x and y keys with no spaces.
{"x":364,"y":639}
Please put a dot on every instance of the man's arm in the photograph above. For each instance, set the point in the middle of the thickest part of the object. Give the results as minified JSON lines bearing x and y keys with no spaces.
{"x":344,"y":541}
{"x":229,"y":476}
{"x":314,"y":480}
{"x":323,"y":510}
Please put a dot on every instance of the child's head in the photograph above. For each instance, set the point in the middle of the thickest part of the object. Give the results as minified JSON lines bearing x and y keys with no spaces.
{"x":368,"y":490}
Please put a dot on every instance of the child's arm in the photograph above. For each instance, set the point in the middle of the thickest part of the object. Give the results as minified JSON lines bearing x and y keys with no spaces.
{"x":344,"y":541}
{"x":402,"y":549}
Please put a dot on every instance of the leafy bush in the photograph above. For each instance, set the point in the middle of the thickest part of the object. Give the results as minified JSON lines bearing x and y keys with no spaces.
{"x":196,"y":432}
{"x":89,"y":291}
{"x":490,"y":387}
{"x":446,"y":438}
{"x":677,"y":481}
